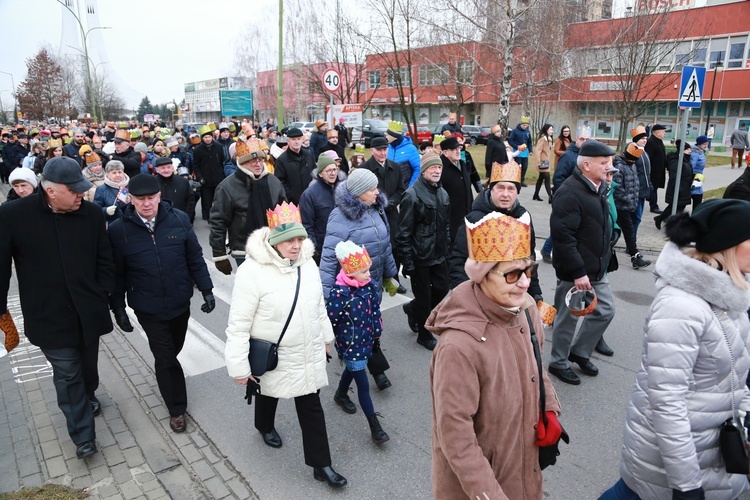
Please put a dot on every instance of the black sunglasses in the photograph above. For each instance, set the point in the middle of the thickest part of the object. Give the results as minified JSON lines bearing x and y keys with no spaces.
{"x":514,"y":275}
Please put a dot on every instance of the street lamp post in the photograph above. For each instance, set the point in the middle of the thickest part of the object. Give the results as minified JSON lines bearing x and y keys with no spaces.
{"x":15,"y":99}
{"x":717,"y":69}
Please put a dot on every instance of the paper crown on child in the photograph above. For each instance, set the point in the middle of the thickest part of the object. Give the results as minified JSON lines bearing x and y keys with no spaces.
{"x":352,"y":257}
{"x":92,"y":158}
{"x":497,"y":237}
{"x":395,"y":126}
{"x":509,"y":172}
{"x":54,"y":143}
{"x":359,"y":149}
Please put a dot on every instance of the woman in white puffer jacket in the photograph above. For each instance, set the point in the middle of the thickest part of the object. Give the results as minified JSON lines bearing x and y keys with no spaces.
{"x":683,"y":391}
{"x":262,"y":299}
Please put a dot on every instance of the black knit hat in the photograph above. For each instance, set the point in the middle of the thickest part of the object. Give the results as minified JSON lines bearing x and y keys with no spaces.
{"x":714,"y":225}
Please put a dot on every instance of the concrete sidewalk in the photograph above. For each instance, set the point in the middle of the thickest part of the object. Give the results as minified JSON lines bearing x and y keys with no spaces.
{"x":139,"y":456}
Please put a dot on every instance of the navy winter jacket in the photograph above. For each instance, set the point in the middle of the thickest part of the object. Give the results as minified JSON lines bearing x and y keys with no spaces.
{"x":316,"y":205}
{"x":566,"y":165}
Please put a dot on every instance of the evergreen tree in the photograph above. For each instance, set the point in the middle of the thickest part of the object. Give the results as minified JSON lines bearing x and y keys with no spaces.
{"x":144,"y":108}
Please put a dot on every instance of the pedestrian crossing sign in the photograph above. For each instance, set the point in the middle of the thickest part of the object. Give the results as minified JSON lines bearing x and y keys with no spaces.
{"x":691,"y":86}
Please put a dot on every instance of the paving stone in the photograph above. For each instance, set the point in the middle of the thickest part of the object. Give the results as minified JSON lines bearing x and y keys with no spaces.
{"x":224,"y":471}
{"x":116,"y":496}
{"x":9,"y":482}
{"x":107,"y":491}
{"x":180,"y":440}
{"x":24,"y":448}
{"x":153,"y":485}
{"x":105,"y":438}
{"x":125,"y":440}
{"x":142,"y":475}
{"x":51,"y":449}
{"x":216,"y":487}
{"x":99,"y":473}
{"x":77,"y":468}
{"x":116,"y":424}
{"x":133,"y":456}
{"x":44,"y":419}
{"x":144,"y":390}
{"x":80,"y":483}
{"x":32,"y":481}
{"x":34,"y":395}
{"x":239,"y":488}
{"x":203,"y":470}
{"x":152,"y":401}
{"x":130,"y":490}
{"x":137,"y":379}
{"x":44,"y":433}
{"x":198,"y":439}
{"x":27,"y":465}
{"x":210,"y":454}
{"x":56,"y":467}
{"x":191,"y":453}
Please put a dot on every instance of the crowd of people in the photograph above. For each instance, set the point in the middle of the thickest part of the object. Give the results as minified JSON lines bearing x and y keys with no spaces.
{"x":314,"y":239}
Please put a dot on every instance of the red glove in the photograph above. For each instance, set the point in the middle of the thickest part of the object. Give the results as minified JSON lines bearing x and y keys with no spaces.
{"x":550,"y":434}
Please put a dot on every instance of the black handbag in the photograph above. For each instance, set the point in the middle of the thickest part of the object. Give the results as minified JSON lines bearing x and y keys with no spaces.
{"x":377,"y":362}
{"x":547,"y":454}
{"x":731,"y":433}
{"x":264,"y":355}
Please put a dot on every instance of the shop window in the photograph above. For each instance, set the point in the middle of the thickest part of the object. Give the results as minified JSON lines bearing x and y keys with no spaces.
{"x":735,"y":108}
{"x":721,"y":109}
{"x":582,"y":109}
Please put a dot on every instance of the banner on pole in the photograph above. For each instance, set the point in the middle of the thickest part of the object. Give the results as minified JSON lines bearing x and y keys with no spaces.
{"x":351,"y":113}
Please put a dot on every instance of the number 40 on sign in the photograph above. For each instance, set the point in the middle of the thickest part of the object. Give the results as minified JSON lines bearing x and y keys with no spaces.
{"x":331,"y":80}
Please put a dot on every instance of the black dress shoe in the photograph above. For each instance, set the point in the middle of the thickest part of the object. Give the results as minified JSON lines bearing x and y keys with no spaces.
{"x":272,"y":438}
{"x":342,"y":399}
{"x":96,"y":406}
{"x":567,"y":375}
{"x":381,"y":381}
{"x":537,"y":198}
{"x":401,"y":289}
{"x":603,"y":349}
{"x":428,"y":343}
{"x":178,"y":423}
{"x":656,"y":210}
{"x":86,"y":449}
{"x":585,"y":364}
{"x":657,"y":221}
{"x":410,"y":317}
{"x":330,"y":476}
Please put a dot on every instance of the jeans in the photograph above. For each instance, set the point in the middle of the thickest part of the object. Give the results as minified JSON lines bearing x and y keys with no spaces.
{"x":547,"y":247}
{"x":620,"y":491}
{"x":638,"y":215}
{"x":625,"y":221}
{"x":524,"y":162}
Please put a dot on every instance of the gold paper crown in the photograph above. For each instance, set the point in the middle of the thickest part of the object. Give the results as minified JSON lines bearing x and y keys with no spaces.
{"x":497,"y":237}
{"x":397,"y":127}
{"x":285,"y":213}
{"x":438,"y":139}
{"x":248,"y":150}
{"x":54,"y":143}
{"x":359,"y":149}
{"x":509,"y":172}
{"x":356,"y":261}
{"x":639,"y":130}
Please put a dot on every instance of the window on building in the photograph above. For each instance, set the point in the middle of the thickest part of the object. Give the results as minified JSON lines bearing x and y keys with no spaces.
{"x":736,"y":52}
{"x":465,"y":72}
{"x":434,"y":74}
{"x":592,"y":71}
{"x":734,"y":108}
{"x":700,"y":52}
{"x":374,"y":77}
{"x":390,"y":78}
{"x":362,"y":87}
{"x":665,"y":57}
{"x":717,"y":52}
{"x":682,"y":54}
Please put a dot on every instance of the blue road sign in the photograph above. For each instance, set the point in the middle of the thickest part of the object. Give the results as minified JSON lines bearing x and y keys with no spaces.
{"x":691,"y":87}
{"x":237,"y":102}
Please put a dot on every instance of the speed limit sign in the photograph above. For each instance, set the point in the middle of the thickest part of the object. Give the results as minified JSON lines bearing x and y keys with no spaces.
{"x":331,"y":80}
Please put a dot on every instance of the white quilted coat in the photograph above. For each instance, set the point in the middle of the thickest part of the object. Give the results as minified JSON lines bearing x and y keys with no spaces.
{"x":261,"y":300}
{"x":683,"y":391}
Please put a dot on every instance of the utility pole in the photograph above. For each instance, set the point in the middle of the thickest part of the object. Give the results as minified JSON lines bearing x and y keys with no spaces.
{"x":15,"y":99}
{"x":280,"y":71}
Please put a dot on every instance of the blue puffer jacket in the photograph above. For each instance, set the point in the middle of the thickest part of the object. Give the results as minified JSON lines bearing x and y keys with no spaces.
{"x":520,"y":136}
{"x":698,"y":159}
{"x":403,"y":153}
{"x":355,"y":317}
{"x":157,"y":272}
{"x":315,"y":205}
{"x":566,"y":165}
{"x":628,"y":185}
{"x":364,"y":225}
{"x":148,"y":165}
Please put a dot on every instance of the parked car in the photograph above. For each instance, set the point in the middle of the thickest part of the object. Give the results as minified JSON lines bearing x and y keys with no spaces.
{"x":372,"y":128}
{"x":476,"y":135}
{"x":305,"y":127}
{"x":423,"y":133}
{"x":356,"y":135}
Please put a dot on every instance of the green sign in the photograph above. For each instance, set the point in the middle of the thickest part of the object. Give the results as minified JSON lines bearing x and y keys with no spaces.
{"x":237,"y":102}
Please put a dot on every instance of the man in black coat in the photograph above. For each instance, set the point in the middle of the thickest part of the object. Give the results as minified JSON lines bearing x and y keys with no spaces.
{"x":208,"y":166}
{"x":496,"y":151}
{"x":73,"y":149}
{"x":740,"y":189}
{"x":158,"y":259}
{"x":318,"y":201}
{"x":452,"y":126}
{"x":423,"y":244}
{"x":18,"y":152}
{"x":318,"y":138}
{"x":657,"y":153}
{"x":295,"y":167}
{"x":175,"y":188}
{"x":130,"y":158}
{"x":457,"y":180}
{"x":64,"y":267}
{"x":582,"y":235}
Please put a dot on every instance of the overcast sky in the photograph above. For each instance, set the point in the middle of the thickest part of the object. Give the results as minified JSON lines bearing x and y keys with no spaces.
{"x":154,"y":46}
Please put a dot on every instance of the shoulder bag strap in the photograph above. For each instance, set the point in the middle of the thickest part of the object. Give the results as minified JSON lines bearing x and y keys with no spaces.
{"x":538,"y":356}
{"x":294,"y":304}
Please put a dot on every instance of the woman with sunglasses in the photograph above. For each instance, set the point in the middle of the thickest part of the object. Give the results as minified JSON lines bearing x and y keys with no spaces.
{"x":489,"y":421}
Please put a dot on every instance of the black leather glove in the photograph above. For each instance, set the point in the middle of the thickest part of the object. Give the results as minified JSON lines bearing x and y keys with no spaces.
{"x":209,"y":302}
{"x":697,"y":494}
{"x":407,"y":271}
{"x":252,"y":389}
{"x":224,"y":266}
{"x":122,"y":320}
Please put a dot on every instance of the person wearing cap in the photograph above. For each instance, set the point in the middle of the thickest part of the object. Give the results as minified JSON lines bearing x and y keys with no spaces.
{"x":18,"y":151}
{"x":209,"y":158}
{"x":490,"y":429}
{"x":279,"y":260}
{"x":402,"y":152}
{"x":502,"y":196}
{"x":582,"y":237}
{"x":520,"y":141}
{"x":158,"y":260}
{"x":423,"y":244}
{"x":335,"y":145}
{"x":175,"y":188}
{"x":360,"y":216}
{"x":452,"y":125}
{"x":496,"y":151}
{"x":643,"y":167}
{"x":225,"y":138}
{"x":317,"y":202}
{"x":94,"y":173}
{"x":698,"y":162}
{"x":148,"y":159}
{"x":73,"y":149}
{"x":295,"y":167}
{"x":319,"y":137}
{"x":626,"y":198}
{"x":112,"y":195}
{"x":343,"y":131}
{"x":65,"y":305}
{"x":458,"y":180}
{"x":23,"y":181}
{"x":175,"y":153}
{"x":129,"y":157}
{"x":695,"y":360}
{"x":657,"y":153}
{"x":240,"y":205}
{"x":684,"y":189}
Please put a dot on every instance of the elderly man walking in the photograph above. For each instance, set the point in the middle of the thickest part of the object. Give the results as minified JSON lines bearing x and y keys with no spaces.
{"x":65,"y":272}
{"x":581,"y":229}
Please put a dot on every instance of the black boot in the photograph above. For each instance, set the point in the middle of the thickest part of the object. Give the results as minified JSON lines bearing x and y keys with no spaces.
{"x":330,"y":476}
{"x":381,"y":381}
{"x":342,"y":399}
{"x":378,"y":434}
{"x":638,"y":261}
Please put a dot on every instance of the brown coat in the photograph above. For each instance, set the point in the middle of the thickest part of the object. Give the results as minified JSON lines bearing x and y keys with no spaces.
{"x":559,"y":143}
{"x":543,"y":149}
{"x":485,"y":399}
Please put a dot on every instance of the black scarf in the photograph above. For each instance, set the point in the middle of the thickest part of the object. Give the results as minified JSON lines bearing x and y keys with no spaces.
{"x":260,"y":200}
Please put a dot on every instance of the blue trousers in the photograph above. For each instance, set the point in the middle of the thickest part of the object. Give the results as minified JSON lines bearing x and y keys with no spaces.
{"x":638,"y":215}
{"x":620,"y":491}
